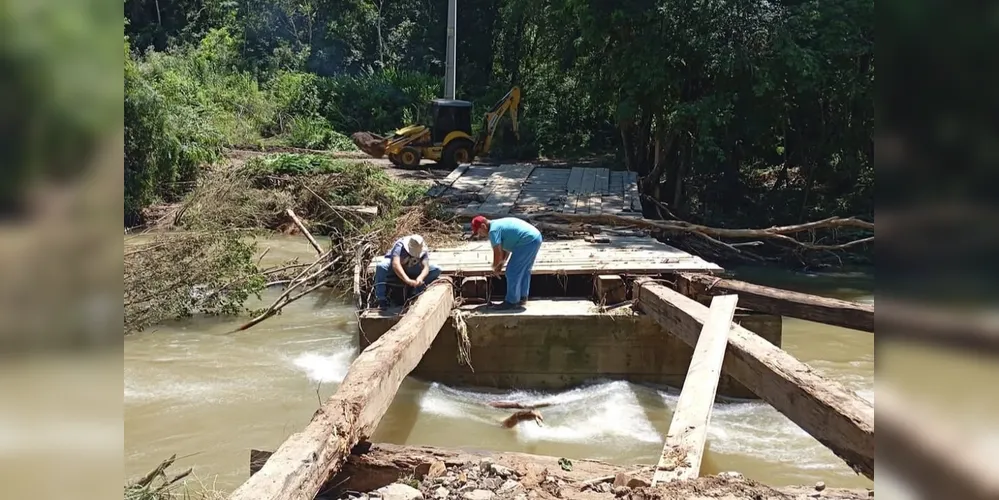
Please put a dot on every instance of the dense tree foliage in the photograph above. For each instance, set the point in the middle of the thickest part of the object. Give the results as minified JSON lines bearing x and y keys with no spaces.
{"x":732,"y":111}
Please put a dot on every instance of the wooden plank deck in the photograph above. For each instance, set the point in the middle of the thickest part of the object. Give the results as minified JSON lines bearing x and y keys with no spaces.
{"x":618,"y":255}
{"x":525,"y":189}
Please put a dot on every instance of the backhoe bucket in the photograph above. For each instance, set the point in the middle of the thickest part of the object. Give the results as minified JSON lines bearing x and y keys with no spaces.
{"x":371,"y":144}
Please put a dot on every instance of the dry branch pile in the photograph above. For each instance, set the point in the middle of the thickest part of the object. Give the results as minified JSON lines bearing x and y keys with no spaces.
{"x":291,"y":193}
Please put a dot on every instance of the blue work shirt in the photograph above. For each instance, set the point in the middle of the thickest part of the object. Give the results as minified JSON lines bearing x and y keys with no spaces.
{"x":511,"y":232}
{"x":407,"y":261}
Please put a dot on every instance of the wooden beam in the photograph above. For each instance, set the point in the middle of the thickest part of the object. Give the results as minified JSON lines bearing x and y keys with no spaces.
{"x":844,"y":313}
{"x":688,"y":431}
{"x":928,"y":455}
{"x":836,"y":417}
{"x":442,"y":186}
{"x":300,"y":467}
{"x":610,"y":289}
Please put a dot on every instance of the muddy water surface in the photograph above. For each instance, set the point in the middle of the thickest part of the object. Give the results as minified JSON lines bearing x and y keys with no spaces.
{"x":196,"y":390}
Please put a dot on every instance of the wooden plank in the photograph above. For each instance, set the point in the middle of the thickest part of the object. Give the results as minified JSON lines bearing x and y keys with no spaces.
{"x":504,"y":189}
{"x":445,"y":183}
{"x":928,"y":452}
{"x":575,"y":180}
{"x":303,"y":464}
{"x":688,"y":430}
{"x":610,"y":289}
{"x":836,"y":417}
{"x":826,"y":310}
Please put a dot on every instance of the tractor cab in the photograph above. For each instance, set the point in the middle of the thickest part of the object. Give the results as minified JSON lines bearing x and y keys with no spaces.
{"x":449,"y":115}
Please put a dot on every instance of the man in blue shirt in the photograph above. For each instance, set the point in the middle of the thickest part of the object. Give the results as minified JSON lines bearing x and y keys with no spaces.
{"x":410,"y":263}
{"x":521,"y":241}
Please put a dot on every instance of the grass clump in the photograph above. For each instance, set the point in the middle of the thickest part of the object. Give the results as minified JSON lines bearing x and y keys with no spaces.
{"x":158,"y":485}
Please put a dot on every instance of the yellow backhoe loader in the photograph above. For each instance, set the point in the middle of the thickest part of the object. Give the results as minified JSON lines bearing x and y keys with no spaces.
{"x":448,"y":140}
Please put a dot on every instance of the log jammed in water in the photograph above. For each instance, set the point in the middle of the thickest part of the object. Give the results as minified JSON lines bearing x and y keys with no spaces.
{"x":307,"y":459}
{"x":379,"y":465}
{"x":837,"y":418}
{"x":835,"y":312}
{"x":570,"y":223}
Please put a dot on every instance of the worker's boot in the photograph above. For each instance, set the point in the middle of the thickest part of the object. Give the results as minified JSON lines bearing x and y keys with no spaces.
{"x":383,"y":305}
{"x":523,"y":301}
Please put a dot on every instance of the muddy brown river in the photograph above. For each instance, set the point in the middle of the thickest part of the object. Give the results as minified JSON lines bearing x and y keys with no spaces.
{"x":208,"y":395}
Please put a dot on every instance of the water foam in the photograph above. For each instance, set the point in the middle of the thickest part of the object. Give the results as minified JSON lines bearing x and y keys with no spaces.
{"x":601,"y":412}
{"x":756,"y":429}
{"x":325,"y":368}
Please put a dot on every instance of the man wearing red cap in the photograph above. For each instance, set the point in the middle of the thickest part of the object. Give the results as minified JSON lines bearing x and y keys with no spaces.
{"x":521,"y":241}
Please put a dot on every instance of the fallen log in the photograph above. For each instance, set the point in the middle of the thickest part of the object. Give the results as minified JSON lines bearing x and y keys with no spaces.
{"x":837,"y":418}
{"x":928,"y":455}
{"x":688,"y":430}
{"x":378,"y":465}
{"x":760,"y":298}
{"x":574,"y":222}
{"x":306,"y":461}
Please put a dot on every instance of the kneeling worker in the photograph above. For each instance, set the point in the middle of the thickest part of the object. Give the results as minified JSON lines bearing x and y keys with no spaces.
{"x":411,"y":265}
{"x":522,"y":241}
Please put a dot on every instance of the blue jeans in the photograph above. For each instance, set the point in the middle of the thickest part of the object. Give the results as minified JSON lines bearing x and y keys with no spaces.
{"x":518,"y":271}
{"x":384,"y":274}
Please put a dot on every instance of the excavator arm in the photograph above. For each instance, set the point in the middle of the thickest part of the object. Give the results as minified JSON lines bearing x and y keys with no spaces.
{"x":510,"y":102}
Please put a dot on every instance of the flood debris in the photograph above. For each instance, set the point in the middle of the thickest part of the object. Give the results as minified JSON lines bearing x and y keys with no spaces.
{"x":523,"y":416}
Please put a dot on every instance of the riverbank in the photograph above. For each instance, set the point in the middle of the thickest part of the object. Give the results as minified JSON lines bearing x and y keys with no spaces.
{"x":394,"y":472}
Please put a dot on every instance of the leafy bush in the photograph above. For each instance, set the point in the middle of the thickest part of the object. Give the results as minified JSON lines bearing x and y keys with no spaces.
{"x":313,"y":132}
{"x":378,"y":101}
{"x":161,"y":155}
{"x":210,"y":100}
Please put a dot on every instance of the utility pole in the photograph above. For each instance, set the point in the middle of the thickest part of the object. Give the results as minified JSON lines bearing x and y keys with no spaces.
{"x":452,"y":18}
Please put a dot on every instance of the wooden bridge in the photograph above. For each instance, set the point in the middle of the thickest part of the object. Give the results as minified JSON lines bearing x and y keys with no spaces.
{"x":675,"y":290}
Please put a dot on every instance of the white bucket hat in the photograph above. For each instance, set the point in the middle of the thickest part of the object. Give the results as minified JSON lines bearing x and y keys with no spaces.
{"x":414,"y":245}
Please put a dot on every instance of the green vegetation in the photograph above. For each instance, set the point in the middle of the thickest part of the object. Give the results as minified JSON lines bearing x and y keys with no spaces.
{"x":159,"y":485}
{"x":734,"y":113}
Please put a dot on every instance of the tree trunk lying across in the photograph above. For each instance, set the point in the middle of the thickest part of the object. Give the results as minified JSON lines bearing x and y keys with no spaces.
{"x":760,"y":298}
{"x":550,"y":221}
{"x":307,"y":459}
{"x":383,"y":464}
{"x":836,"y":417}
